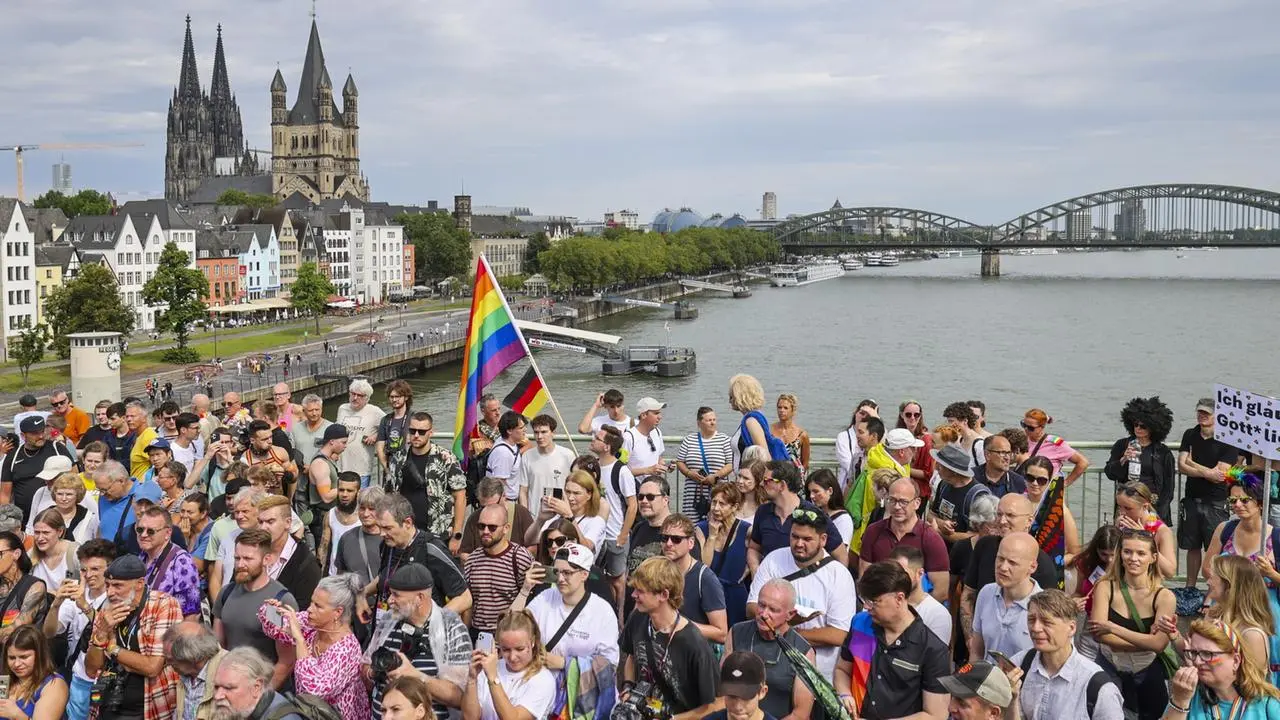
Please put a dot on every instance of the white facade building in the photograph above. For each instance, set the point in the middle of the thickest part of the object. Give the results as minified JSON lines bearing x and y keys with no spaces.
{"x":17,"y":273}
{"x":769,"y":206}
{"x":628,"y":219}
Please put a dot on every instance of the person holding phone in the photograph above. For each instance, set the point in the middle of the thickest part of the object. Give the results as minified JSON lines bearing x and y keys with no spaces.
{"x":579,"y":503}
{"x":574,"y":621}
{"x":74,"y":602}
{"x":543,"y":468}
{"x":34,"y":690}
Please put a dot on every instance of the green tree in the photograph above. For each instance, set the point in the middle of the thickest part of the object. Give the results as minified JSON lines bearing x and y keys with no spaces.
{"x":537,"y":244}
{"x":240,"y":197}
{"x":310,"y":291}
{"x":182,"y":290}
{"x":89,"y":302}
{"x":85,"y":202}
{"x":28,"y":348}
{"x":440,"y":249}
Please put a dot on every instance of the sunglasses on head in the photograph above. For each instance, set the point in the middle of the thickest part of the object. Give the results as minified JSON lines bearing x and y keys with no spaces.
{"x":804,"y":514}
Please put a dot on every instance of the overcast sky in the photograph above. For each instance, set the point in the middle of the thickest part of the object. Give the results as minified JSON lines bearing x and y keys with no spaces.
{"x":982,"y":109}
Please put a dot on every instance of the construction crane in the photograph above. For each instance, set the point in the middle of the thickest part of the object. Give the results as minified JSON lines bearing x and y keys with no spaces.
{"x":19,"y":150}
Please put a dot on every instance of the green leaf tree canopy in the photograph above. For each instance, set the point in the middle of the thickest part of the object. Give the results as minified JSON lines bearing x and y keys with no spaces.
{"x":181,"y":289}
{"x":310,"y":291}
{"x":29,"y":347}
{"x":89,"y":302}
{"x":440,"y":249}
{"x":85,"y":202}
{"x":537,"y":244}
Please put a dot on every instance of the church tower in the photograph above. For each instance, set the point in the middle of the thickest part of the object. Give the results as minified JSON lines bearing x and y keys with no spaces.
{"x":315,"y":146}
{"x":190,"y":140}
{"x":228,"y":133}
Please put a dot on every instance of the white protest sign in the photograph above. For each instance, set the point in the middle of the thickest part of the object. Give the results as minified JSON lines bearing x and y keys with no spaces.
{"x":1247,"y":421}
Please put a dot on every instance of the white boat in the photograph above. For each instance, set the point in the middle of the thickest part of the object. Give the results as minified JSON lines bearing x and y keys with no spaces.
{"x":797,"y":275}
{"x":948,"y":254}
{"x":851,"y":263}
{"x":889,"y":260}
{"x":873,"y":260}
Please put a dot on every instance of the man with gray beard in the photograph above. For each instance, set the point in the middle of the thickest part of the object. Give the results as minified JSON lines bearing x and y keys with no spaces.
{"x":242,"y":689}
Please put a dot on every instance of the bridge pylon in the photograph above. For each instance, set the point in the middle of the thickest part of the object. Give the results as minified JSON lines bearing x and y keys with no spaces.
{"x":991,"y":263}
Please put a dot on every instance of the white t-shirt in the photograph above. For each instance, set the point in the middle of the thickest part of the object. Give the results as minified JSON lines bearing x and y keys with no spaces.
{"x":535,"y":694}
{"x":188,"y":456}
{"x":617,"y":507}
{"x":641,"y":454}
{"x":844,"y":523}
{"x":358,"y":457}
{"x":594,"y":631}
{"x":541,"y":473}
{"x":504,"y":462}
{"x":830,"y":591}
{"x":591,"y":527}
{"x":935,"y":617}
{"x":69,"y":615}
{"x":336,"y":530}
{"x":600,"y":421}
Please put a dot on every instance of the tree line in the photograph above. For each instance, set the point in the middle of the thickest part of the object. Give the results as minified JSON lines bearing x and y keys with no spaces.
{"x":584,"y":263}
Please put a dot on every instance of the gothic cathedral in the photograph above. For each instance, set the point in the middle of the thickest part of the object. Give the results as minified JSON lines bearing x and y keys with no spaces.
{"x":315,"y":147}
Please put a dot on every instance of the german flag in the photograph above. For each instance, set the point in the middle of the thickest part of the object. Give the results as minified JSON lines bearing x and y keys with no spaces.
{"x":529,"y":395}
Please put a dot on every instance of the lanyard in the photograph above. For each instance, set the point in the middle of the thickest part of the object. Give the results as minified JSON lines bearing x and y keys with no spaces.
{"x":1235,"y":713}
{"x":703,"y":451}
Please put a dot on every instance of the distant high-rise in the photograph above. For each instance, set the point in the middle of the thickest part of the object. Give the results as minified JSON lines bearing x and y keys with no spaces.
{"x":1131,"y":221}
{"x":769,"y":210}
{"x":62,"y":177}
{"x":1080,"y":226}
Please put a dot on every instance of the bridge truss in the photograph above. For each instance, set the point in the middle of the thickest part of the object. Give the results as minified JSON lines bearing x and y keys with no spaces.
{"x":839,"y":227}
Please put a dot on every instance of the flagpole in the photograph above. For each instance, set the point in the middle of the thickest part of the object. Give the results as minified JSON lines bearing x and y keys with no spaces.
{"x":529,"y":353}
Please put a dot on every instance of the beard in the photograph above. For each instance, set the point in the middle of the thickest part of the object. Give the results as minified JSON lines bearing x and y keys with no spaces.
{"x":349,"y":508}
{"x":226,"y":713}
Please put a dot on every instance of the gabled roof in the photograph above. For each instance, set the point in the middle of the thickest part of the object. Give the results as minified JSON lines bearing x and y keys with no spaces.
{"x":305,"y":109}
{"x":274,"y":216}
{"x":95,"y":232}
{"x":7,"y":206}
{"x":163,"y":210}
{"x":213,"y":187}
{"x":54,"y":255}
{"x":42,"y":221}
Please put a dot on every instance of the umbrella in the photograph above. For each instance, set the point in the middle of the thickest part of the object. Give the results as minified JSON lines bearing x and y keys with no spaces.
{"x":822,"y":690}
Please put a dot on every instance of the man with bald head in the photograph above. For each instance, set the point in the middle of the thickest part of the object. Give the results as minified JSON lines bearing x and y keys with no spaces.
{"x":902,"y":526}
{"x":496,"y":574}
{"x":287,"y":410}
{"x":1000,"y":613}
{"x":1013,"y":515}
{"x":201,"y":405}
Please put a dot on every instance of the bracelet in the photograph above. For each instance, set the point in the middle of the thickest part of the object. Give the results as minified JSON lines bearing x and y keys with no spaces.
{"x":1184,"y":710}
{"x":845,"y":695}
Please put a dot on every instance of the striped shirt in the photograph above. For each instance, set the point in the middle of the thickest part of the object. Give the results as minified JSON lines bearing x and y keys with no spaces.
{"x":719,"y":452}
{"x":494,"y":581}
{"x":457,"y":654}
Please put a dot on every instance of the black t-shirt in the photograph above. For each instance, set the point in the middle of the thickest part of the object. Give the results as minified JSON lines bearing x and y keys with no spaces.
{"x":681,"y":668}
{"x":446,"y":576}
{"x":903,"y":671}
{"x":121,"y":447}
{"x":21,"y":467}
{"x":1207,"y":452}
{"x":982,"y":566}
{"x":952,"y":503}
{"x":414,"y":492}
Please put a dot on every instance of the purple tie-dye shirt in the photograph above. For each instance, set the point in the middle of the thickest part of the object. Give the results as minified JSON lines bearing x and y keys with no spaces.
{"x":178,"y":579}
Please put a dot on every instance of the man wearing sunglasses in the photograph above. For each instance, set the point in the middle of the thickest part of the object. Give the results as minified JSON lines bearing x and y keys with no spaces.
{"x":78,"y":422}
{"x":653,"y":502}
{"x":170,"y":569}
{"x":644,"y":441}
{"x":431,"y":479}
{"x":495,"y":574}
{"x":703,"y":602}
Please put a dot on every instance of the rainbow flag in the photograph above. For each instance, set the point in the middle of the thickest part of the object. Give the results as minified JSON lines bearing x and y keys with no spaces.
{"x":528,"y":396}
{"x":493,"y":345}
{"x":862,"y":645}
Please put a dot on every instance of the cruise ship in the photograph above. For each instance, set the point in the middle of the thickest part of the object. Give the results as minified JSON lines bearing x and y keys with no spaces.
{"x":850,"y":262}
{"x":796,"y":275}
{"x":888,"y":260}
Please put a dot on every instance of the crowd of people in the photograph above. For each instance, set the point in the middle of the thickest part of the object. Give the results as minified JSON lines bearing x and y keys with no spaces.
{"x":271,"y":563}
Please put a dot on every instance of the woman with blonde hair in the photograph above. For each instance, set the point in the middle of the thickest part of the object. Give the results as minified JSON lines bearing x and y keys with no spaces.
{"x":791,"y":434}
{"x":1126,"y":602}
{"x":579,"y":506}
{"x":518,"y":685}
{"x":1136,"y":510}
{"x":68,"y":495}
{"x":746,"y":395}
{"x":1239,"y":598}
{"x":407,"y":698}
{"x":1218,"y":683}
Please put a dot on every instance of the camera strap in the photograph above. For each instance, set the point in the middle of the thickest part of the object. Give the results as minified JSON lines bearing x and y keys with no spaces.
{"x":655,"y":667}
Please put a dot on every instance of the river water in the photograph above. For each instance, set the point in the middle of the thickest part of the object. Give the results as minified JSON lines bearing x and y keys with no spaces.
{"x":1077,"y":334}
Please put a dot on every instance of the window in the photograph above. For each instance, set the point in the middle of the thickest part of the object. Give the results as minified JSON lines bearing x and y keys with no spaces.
{"x":48,"y":274}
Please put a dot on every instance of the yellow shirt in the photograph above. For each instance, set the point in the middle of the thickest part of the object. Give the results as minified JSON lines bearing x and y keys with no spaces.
{"x":89,"y":485}
{"x":139,"y":461}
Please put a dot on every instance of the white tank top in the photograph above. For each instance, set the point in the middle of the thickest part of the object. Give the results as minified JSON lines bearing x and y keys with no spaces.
{"x":336,"y":531}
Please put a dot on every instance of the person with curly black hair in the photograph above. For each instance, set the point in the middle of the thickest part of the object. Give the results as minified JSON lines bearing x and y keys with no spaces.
{"x":1142,"y":455}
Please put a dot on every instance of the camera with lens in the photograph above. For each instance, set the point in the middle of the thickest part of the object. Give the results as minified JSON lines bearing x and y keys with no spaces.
{"x":642,"y":703}
{"x":385,"y":659}
{"x":108,"y":690}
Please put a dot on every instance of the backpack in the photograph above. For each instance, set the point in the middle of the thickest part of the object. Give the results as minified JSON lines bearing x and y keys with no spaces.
{"x":1096,"y":683}
{"x":306,"y":706}
{"x":477,"y":469}
{"x":777,"y":448}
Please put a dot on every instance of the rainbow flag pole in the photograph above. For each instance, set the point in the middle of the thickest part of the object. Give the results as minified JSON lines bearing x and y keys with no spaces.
{"x":493,"y":344}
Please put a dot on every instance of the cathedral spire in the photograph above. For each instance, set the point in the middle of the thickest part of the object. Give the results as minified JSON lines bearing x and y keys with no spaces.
{"x":189,"y":77}
{"x":221,"y":87}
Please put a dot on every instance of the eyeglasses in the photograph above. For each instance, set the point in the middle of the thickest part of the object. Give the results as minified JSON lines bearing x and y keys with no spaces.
{"x":674,"y":539}
{"x":148,"y":532}
{"x":1002,"y":453}
{"x":900,"y":502}
{"x":419,"y":431}
{"x":1011,"y":516}
{"x":1028,"y":426}
{"x":869,"y":603}
{"x":649,"y":497}
{"x":1038,"y":479}
{"x":1202,"y":655}
{"x":486,"y":527}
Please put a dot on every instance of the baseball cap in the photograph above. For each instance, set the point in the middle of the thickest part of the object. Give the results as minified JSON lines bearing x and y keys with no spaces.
{"x":576,"y":555}
{"x":901,"y":439}
{"x":335,"y":432}
{"x":158,"y":444}
{"x":648,"y":404}
{"x":54,"y":466}
{"x":1205,"y":404}
{"x":32,"y":424}
{"x":980,"y":680}
{"x":742,"y":675}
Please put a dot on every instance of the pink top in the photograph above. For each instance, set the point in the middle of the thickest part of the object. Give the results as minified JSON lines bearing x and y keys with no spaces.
{"x":334,"y":676}
{"x":1055,"y":450}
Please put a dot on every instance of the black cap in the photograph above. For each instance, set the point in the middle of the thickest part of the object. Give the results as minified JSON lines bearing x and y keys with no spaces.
{"x":335,"y":432}
{"x":27,"y":400}
{"x":32,"y":424}
{"x":127,"y":567}
{"x":413,"y":577}
{"x":742,"y":675}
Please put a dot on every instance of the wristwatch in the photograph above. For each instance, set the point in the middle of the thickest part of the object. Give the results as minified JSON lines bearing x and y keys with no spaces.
{"x":457,"y":536}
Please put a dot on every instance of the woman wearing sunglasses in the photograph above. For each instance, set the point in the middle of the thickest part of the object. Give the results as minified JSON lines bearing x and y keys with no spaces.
{"x":1246,"y":534}
{"x":1041,"y":444}
{"x":1141,"y":456}
{"x":1053,"y":525}
{"x":911,"y":417}
{"x":1217,"y":682}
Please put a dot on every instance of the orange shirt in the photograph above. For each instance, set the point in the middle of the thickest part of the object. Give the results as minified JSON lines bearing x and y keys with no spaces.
{"x":78,"y":423}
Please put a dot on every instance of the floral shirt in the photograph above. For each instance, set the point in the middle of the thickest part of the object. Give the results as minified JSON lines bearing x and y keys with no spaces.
{"x":177,"y":578}
{"x":440,"y":478}
{"x":335,"y":675}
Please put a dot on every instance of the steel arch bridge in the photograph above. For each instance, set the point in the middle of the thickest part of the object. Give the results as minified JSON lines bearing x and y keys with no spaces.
{"x":953,"y":232}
